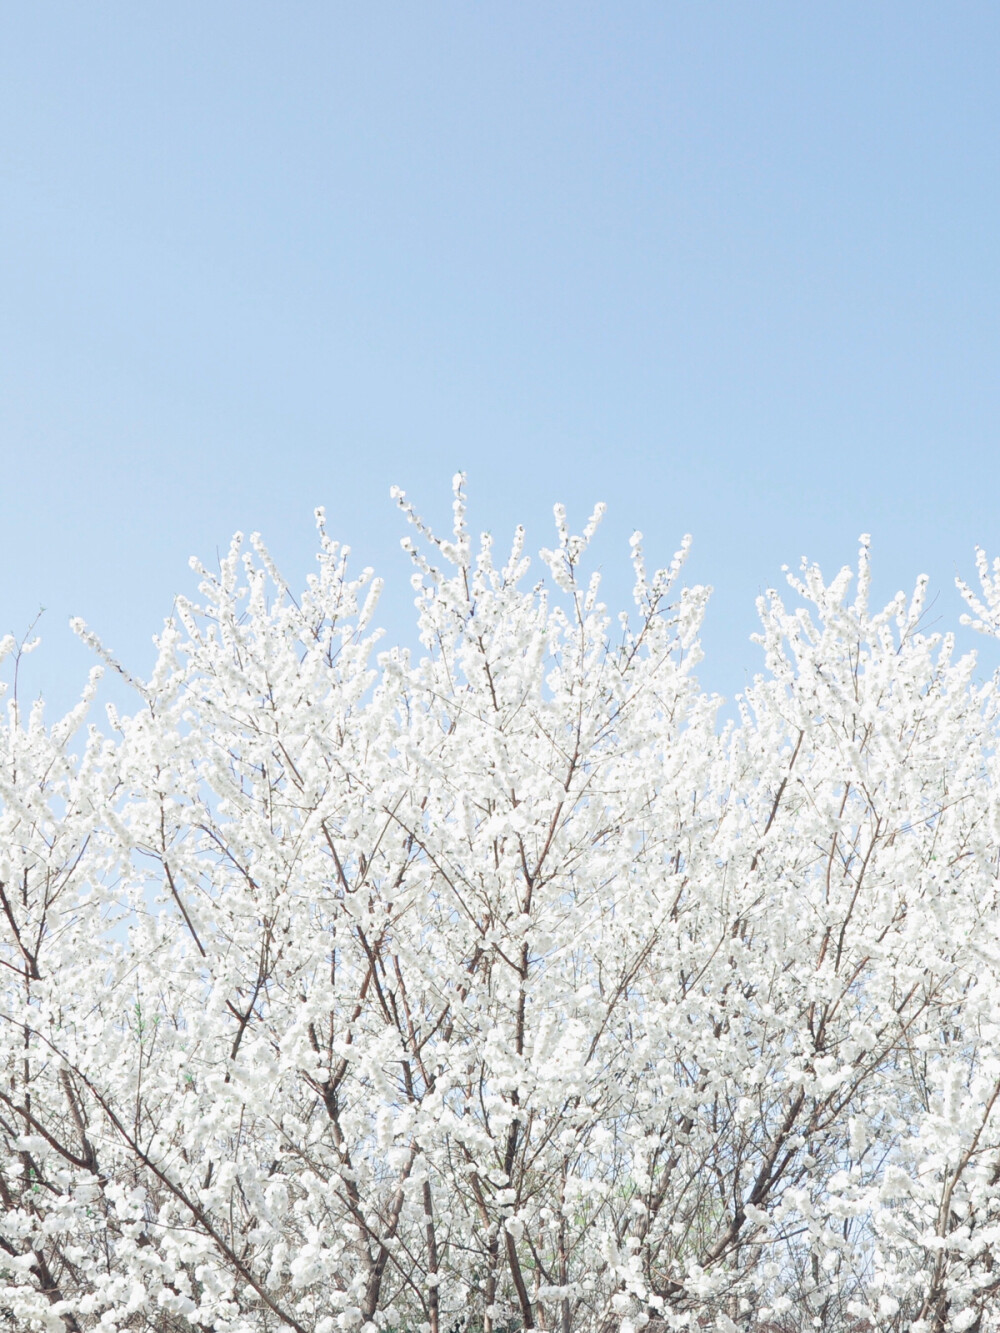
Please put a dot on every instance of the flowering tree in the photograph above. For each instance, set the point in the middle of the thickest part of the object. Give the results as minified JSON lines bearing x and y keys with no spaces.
{"x":504,"y":989}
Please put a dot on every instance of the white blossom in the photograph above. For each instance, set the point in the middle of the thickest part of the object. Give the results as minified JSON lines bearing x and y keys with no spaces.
{"x":504,"y":987}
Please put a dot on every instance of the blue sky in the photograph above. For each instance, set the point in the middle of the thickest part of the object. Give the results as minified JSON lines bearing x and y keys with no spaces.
{"x":731,"y":267}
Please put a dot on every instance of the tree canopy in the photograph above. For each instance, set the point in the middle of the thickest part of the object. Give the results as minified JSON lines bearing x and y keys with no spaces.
{"x":498,"y":986}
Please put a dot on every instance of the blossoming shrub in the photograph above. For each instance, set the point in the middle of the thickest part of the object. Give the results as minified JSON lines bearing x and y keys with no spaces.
{"x":503,"y":988}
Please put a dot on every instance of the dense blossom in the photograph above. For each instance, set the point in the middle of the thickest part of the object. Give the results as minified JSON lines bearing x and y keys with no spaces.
{"x":501,"y":985}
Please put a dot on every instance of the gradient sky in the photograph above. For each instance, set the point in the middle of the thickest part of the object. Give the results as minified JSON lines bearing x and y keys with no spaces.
{"x":731,"y":267}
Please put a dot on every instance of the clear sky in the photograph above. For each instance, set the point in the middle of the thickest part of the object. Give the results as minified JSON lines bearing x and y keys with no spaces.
{"x":731,"y":267}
